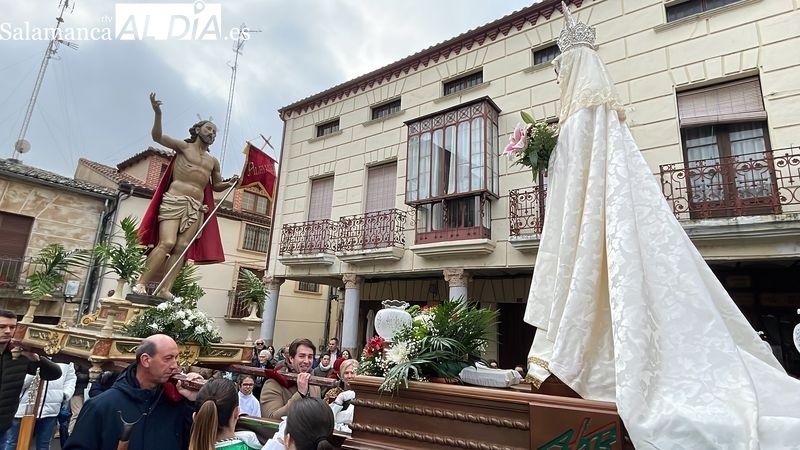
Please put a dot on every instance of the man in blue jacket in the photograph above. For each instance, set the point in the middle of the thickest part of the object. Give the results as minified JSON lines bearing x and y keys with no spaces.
{"x":141,"y":395}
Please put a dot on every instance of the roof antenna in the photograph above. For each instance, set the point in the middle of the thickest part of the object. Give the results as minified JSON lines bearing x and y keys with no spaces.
{"x":21,"y":145}
{"x":244,"y":35}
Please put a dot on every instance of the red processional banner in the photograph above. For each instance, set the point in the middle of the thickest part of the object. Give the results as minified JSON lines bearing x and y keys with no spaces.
{"x":258,"y":170}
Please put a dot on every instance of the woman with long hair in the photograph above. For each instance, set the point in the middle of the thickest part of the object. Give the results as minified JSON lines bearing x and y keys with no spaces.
{"x":309,"y":425}
{"x":215,"y":420}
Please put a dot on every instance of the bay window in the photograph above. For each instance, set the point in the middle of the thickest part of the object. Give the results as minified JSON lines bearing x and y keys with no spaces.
{"x":452,"y":170}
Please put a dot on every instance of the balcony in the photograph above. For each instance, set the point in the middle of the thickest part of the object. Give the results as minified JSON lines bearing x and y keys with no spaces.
{"x":754,"y":195}
{"x":308,"y":243}
{"x":370,"y":237}
{"x":14,"y":272}
{"x":526,"y":217}
{"x":743,"y":185}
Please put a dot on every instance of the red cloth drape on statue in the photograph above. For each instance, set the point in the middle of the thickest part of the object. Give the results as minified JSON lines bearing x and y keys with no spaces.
{"x":207,"y":249}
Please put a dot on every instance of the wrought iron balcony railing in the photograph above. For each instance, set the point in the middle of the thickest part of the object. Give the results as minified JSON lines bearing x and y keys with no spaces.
{"x":742,"y":185}
{"x":526,"y":210}
{"x":371,"y":230}
{"x":307,"y":238}
{"x":731,"y":186}
{"x":14,"y":272}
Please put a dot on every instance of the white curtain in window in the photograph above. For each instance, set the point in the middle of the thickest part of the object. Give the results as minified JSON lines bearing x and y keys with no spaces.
{"x":425,"y":166}
{"x":477,"y":153}
{"x":753,"y":178}
{"x":413,"y":174}
{"x":451,"y":160}
{"x":705,"y":177}
{"x":463,"y":150}
{"x":438,"y":175}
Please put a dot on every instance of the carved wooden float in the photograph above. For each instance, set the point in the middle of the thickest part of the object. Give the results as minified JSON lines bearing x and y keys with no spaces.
{"x":444,"y":416}
{"x":104,"y":352}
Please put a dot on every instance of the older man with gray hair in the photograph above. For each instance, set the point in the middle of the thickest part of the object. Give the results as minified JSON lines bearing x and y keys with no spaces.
{"x":142,"y":395}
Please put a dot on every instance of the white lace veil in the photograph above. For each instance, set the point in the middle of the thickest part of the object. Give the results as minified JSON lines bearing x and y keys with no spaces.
{"x":584,"y":82}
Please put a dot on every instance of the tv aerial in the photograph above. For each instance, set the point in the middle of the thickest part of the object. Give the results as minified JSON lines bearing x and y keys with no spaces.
{"x":22,"y":146}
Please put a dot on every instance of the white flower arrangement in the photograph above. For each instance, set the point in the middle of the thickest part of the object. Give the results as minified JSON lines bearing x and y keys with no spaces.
{"x":440,"y":341}
{"x":179,"y":319}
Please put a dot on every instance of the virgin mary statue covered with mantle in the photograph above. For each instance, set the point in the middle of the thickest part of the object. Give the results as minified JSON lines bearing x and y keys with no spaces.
{"x":625,"y":307}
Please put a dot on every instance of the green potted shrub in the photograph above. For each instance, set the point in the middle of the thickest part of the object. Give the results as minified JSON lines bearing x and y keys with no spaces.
{"x":53,"y":264}
{"x":252,"y":292}
{"x":126,"y":258}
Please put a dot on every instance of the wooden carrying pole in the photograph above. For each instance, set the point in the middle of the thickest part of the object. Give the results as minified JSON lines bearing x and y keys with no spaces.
{"x":28,"y":421}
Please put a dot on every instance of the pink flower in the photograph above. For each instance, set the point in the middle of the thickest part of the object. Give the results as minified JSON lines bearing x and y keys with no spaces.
{"x":517,"y":141}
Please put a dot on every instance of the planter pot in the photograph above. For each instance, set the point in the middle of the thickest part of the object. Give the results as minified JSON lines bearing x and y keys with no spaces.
{"x":391,"y":318}
{"x":253,"y":313}
{"x":31,"y":311}
{"x":121,"y":282}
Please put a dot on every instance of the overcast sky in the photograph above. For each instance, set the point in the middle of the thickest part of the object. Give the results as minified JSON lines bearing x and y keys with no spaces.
{"x":94,"y":100}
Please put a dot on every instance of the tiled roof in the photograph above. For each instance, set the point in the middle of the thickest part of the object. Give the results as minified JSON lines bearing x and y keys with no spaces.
{"x":477,"y":36}
{"x":111,"y":173}
{"x":18,"y":170}
{"x":142,"y":155}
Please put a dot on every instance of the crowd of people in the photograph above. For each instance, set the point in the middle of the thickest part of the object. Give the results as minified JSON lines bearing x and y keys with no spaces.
{"x":144,"y":409}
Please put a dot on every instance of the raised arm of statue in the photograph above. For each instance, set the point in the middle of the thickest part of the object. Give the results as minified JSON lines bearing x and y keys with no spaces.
{"x":158,"y":136}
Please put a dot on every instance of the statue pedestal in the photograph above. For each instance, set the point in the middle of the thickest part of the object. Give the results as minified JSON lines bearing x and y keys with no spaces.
{"x":115,"y":312}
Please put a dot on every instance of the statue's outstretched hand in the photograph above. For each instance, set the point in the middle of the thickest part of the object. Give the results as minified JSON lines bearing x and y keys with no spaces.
{"x":156,"y":104}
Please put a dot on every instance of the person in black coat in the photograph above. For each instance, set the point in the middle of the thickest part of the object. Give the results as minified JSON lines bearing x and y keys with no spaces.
{"x":103,"y":383}
{"x":13,"y":369}
{"x":142,"y":394}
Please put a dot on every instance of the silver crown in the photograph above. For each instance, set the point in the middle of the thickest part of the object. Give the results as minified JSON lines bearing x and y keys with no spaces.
{"x":574,"y":33}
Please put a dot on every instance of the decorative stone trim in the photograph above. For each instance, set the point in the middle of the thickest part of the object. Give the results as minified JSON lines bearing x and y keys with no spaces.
{"x":456,"y":277}
{"x":351,"y":280}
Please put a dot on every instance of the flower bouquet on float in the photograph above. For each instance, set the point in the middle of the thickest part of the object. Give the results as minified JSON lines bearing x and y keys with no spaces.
{"x":432,"y":343}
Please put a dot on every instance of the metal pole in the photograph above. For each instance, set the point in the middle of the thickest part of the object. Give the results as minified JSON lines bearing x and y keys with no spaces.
{"x":199,"y":230}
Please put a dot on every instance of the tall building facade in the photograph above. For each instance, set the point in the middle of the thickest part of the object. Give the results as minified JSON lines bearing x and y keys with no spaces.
{"x":393,"y":186}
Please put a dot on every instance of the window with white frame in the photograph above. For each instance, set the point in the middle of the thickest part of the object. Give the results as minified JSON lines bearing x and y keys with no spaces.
{"x":255,"y":203}
{"x":452,"y":170}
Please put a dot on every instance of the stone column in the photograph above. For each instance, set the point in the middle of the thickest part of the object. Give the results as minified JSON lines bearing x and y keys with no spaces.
{"x":352,"y":298}
{"x":271,"y":309}
{"x":457,"y":280}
